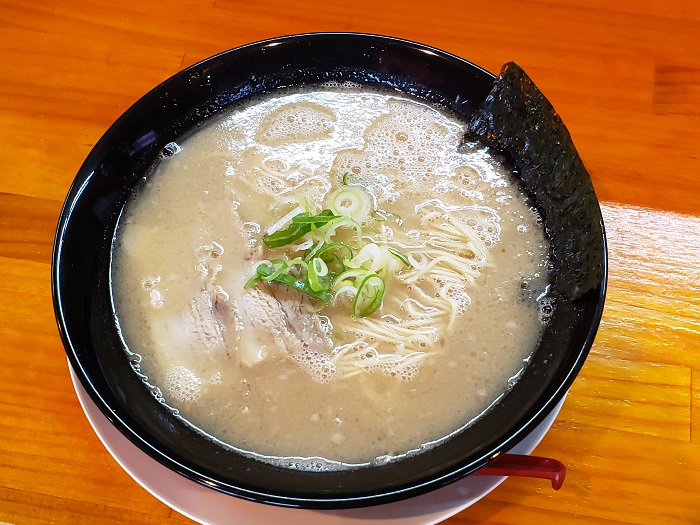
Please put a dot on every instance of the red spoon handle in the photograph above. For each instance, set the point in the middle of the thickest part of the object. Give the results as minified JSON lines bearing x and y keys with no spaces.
{"x":526,"y":466}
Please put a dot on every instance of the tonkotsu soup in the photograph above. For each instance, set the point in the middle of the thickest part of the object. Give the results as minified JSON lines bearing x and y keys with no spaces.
{"x":330,"y":279}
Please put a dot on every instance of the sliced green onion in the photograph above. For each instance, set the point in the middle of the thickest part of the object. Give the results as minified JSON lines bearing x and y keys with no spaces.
{"x":351,"y":201}
{"x":370,"y":257}
{"x":277,"y":226}
{"x":304,"y":287}
{"x":319,"y":277}
{"x":296,"y":283}
{"x":311,"y":252}
{"x":286,"y":236}
{"x":351,"y":275}
{"x":369,"y":296}
{"x":347,"y":288}
{"x":251,"y":282}
{"x":335,"y":254}
{"x":400,"y":256}
{"x":345,"y":178}
{"x":299,"y":262}
{"x":319,"y":267}
{"x":302,"y":223}
{"x":278,"y":266}
{"x":314,"y":220}
{"x":303,"y":244}
{"x":339,"y":222}
{"x":331,"y":266}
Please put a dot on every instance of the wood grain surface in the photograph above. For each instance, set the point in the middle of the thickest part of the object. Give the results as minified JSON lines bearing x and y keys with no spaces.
{"x":625,"y":77}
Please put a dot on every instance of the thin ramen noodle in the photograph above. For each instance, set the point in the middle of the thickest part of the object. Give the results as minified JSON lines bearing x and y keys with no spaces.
{"x":330,"y":278}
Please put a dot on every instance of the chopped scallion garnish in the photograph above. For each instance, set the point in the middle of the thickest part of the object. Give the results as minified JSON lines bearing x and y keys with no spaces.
{"x":400,"y":256}
{"x":329,"y":266}
{"x":334,"y":255}
{"x":351,"y":201}
{"x":278,"y":267}
{"x":322,"y":218}
{"x":265,"y":272}
{"x":286,"y":236}
{"x":369,"y":295}
{"x":302,"y":224}
{"x":319,"y":277}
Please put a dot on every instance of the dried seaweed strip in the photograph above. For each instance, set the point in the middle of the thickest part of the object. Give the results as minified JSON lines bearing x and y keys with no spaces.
{"x":517,"y":120}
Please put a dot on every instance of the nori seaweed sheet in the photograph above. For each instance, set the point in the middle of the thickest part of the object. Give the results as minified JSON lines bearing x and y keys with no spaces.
{"x":517,"y":120}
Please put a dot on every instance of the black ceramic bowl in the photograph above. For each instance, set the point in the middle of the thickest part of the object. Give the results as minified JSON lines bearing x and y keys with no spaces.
{"x":81,"y":283}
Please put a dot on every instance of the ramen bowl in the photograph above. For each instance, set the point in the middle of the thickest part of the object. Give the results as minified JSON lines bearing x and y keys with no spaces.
{"x":123,"y":157}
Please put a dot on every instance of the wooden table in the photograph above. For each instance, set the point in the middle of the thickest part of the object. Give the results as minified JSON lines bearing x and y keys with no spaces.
{"x":624,"y":75}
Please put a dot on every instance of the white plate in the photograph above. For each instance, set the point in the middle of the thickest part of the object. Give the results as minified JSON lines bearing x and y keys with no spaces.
{"x":210,"y":507}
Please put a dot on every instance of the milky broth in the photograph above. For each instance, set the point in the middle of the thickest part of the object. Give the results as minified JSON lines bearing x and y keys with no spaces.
{"x":191,"y":239}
